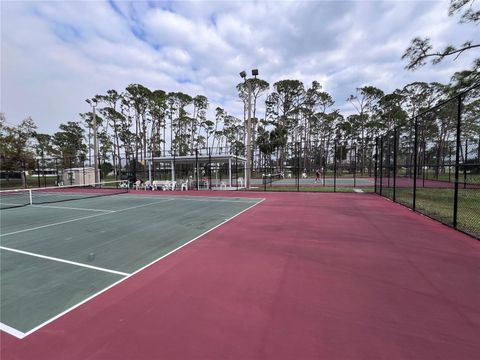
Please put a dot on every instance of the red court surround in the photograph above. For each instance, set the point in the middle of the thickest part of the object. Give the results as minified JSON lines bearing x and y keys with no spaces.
{"x":299,"y":276}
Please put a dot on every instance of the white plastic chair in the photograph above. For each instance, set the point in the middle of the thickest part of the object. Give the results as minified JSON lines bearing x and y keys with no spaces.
{"x":148,"y":185}
{"x":166,"y":186}
{"x":223,"y":185}
{"x":138,"y":183}
{"x":240,"y":181}
{"x":173,"y":185}
{"x":184,"y":186}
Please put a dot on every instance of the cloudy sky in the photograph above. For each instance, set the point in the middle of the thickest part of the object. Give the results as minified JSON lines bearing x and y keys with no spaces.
{"x":55,"y":54}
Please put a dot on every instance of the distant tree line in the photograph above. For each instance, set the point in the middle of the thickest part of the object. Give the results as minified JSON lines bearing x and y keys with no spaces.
{"x":139,"y":122}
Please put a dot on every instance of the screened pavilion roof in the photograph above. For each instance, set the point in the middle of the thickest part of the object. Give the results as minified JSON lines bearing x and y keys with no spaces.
{"x":190,"y":159}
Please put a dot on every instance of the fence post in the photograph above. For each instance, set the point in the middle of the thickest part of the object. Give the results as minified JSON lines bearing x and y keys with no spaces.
{"x":415,"y":156}
{"x":24,"y":176}
{"x":264,"y":171}
{"x":457,"y":160}
{"x":425,"y":159}
{"x":376,"y":165}
{"x":465,"y":165}
{"x":43,"y":168}
{"x":236,"y":168}
{"x":355,"y":166}
{"x":335,"y":166}
{"x":298,"y":165}
{"x":38,"y":172}
{"x":381,"y":165}
{"x":389,"y":161}
{"x":450,"y":166}
{"x":197,"y":180}
{"x":209,"y":168}
{"x":395,"y":145}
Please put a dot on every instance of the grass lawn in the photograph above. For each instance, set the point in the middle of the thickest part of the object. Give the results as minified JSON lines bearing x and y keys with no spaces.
{"x":438,"y":203}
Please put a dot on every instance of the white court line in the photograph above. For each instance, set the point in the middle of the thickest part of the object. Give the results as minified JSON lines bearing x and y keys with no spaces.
{"x":12,"y":331}
{"x":64,"y":261}
{"x":127,"y":277}
{"x":69,"y":208}
{"x":81,"y":218}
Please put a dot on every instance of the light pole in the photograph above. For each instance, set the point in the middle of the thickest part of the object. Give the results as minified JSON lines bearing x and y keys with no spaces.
{"x":243,"y":74}
{"x":95,"y":147}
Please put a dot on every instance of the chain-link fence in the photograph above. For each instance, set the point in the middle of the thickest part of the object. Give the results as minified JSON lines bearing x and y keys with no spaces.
{"x":327,"y":166}
{"x":432,"y":164}
{"x":45,"y":171}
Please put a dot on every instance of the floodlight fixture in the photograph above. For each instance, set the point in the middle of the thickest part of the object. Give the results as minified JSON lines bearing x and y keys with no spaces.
{"x":254,"y":72}
{"x":243,"y":74}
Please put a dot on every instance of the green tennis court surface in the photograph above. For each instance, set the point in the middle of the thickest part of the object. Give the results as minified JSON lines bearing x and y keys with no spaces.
{"x":311,"y":181}
{"x":55,"y":256}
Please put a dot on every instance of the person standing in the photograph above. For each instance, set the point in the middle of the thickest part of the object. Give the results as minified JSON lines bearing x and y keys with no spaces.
{"x":317,"y":175}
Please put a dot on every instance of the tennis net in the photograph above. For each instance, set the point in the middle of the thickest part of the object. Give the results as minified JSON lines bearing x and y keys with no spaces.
{"x":24,"y":197}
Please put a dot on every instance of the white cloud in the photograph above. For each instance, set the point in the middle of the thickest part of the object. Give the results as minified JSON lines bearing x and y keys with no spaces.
{"x":56,"y":54}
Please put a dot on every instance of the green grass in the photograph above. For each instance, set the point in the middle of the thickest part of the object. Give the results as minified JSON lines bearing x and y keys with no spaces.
{"x":438,"y":203}
{"x":430,"y":175}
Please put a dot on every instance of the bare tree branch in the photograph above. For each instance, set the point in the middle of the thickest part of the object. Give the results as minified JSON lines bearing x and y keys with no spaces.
{"x":420,"y":50}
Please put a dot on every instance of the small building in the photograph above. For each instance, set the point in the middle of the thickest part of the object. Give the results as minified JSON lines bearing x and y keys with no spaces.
{"x":79,"y":176}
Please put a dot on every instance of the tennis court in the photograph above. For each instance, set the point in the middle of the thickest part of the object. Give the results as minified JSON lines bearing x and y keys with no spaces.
{"x":293,"y":276}
{"x":59,"y":254}
{"x":339,"y":181}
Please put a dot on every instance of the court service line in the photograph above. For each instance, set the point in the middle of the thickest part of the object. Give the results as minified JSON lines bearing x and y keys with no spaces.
{"x":81,"y":218}
{"x":135,"y":272}
{"x":63,"y":261}
{"x":70,"y":208}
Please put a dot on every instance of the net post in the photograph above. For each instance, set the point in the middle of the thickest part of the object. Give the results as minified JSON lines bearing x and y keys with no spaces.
{"x":30,"y":196}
